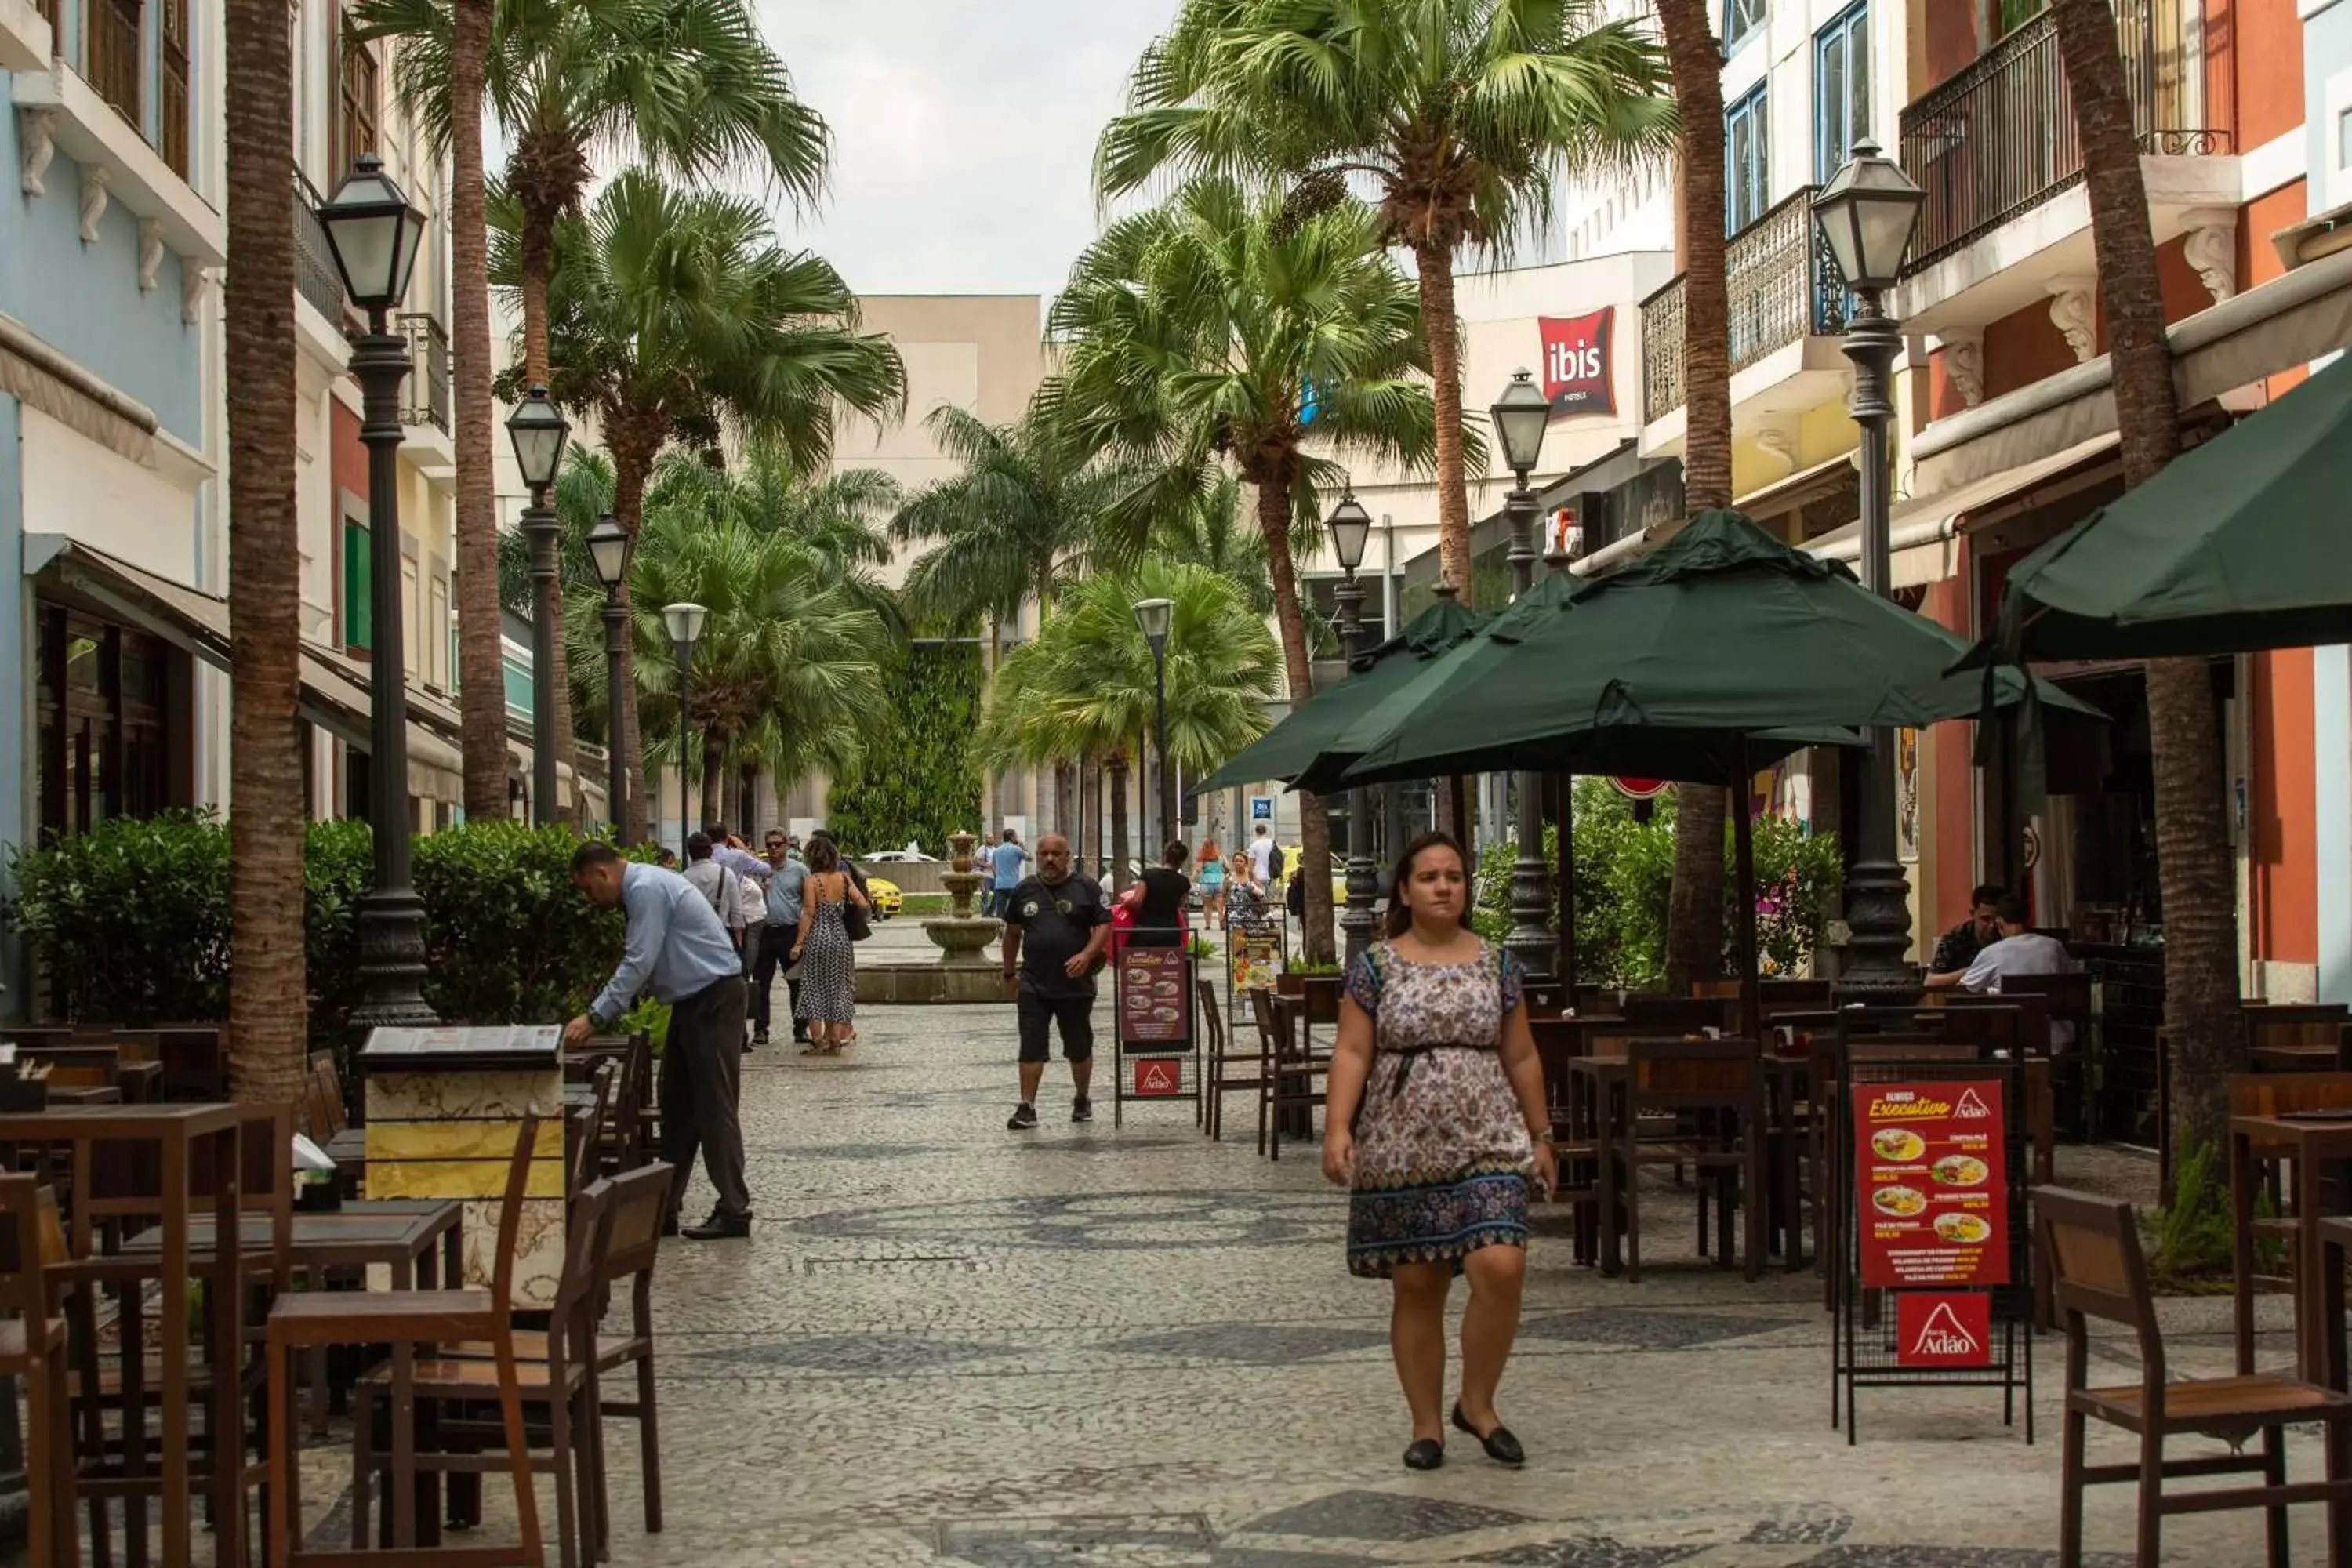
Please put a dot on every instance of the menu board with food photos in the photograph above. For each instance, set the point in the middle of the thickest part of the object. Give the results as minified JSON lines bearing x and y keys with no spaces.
{"x":1154,"y":1005}
{"x":1932,"y":1189}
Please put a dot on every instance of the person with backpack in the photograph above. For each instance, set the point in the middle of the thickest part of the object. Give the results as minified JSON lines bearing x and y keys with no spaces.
{"x":1437,"y":1124}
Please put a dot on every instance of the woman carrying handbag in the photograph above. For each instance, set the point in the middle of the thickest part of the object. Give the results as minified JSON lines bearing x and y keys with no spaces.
{"x":825,"y":953}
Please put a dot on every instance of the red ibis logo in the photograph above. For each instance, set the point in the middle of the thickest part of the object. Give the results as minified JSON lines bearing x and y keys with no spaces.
{"x":1575,"y":361}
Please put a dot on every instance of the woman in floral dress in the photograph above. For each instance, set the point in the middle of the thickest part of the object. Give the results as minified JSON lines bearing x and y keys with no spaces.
{"x":1434,"y":1047}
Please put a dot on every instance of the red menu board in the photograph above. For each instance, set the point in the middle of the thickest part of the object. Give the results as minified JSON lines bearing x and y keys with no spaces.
{"x":1930,"y":1186}
{"x":1153,"y":1009}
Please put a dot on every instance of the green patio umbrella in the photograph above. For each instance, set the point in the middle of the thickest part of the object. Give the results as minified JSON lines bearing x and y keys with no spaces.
{"x":2242,"y":544}
{"x":1293,"y":746}
{"x":1723,"y":631}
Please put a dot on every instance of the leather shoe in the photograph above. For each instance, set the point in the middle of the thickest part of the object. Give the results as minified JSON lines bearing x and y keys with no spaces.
{"x":1500,"y":1445}
{"x":1426,"y":1454}
{"x":720,"y":1226}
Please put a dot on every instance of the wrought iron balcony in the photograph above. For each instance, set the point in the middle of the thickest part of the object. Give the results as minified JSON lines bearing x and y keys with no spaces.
{"x":1783,"y":286}
{"x":315,"y":278}
{"x":1999,"y":139}
{"x":425,"y":400}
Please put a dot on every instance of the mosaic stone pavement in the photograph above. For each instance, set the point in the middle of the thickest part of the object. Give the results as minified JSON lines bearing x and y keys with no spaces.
{"x":1084,"y":1347}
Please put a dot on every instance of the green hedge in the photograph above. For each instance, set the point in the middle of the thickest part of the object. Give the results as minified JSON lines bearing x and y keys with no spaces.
{"x":131,"y":918}
{"x":1625,"y":870}
{"x":918,"y":779}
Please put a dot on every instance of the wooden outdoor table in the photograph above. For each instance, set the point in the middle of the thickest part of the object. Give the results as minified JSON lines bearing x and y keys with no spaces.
{"x":85,"y":1094}
{"x":419,"y":1241}
{"x":178,"y":1134}
{"x":2311,"y":1140}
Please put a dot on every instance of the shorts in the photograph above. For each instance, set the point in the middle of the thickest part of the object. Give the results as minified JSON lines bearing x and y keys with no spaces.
{"x":1074,"y":1015}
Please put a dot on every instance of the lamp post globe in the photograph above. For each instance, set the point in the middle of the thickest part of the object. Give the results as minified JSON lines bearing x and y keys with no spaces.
{"x":1351,"y":529}
{"x":374,"y":236}
{"x":609,"y":548}
{"x":539,"y":431}
{"x":683,"y":622}
{"x":1521,"y":416}
{"x":1866,"y":215}
{"x":1157,"y":617}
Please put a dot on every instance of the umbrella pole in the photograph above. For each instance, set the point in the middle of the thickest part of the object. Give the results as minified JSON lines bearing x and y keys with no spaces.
{"x":1743,"y":840}
{"x":1563,"y":790}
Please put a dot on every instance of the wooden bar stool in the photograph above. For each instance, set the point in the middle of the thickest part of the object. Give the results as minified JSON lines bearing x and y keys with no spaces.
{"x":404,"y":1318}
{"x":33,"y":1349}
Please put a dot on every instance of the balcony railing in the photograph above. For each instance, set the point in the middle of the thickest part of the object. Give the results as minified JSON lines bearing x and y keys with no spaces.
{"x":1783,"y":286}
{"x":1998,"y":140}
{"x":315,"y":278}
{"x":425,"y":400}
{"x":111,"y":52}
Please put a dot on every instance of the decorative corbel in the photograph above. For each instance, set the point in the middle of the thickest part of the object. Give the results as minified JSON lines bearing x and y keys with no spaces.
{"x":37,"y":142}
{"x":2073,"y":313}
{"x":2211,"y":248}
{"x":150,"y":252}
{"x":1964,"y":364}
{"x":94,"y":178}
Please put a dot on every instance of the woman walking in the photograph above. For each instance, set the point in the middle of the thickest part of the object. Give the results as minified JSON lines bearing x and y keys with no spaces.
{"x":828,"y":998}
{"x":1211,"y":870}
{"x":1434,"y":1047}
{"x":1157,"y":901}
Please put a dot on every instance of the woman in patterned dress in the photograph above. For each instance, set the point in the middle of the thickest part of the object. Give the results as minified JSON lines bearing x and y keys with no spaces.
{"x":1434,"y":1047}
{"x":827,"y":1000}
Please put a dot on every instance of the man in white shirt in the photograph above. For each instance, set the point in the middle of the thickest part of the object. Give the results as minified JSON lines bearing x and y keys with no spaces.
{"x":720,"y":888}
{"x":1261,"y":853}
{"x":2020,"y":952}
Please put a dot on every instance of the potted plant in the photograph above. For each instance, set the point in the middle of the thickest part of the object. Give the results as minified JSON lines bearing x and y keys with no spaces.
{"x":1316,"y":980}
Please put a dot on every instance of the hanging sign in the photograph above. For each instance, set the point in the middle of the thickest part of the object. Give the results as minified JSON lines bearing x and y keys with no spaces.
{"x":1931,"y":1191}
{"x":1576,"y":363}
{"x":1641,"y":789}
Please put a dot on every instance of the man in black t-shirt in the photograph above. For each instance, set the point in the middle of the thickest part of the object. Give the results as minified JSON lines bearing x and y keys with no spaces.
{"x":1057,"y":925}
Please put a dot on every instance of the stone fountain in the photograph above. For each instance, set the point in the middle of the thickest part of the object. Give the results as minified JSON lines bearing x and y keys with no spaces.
{"x":960,"y":974}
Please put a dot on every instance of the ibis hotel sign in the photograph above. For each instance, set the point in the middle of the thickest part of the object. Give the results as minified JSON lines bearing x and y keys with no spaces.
{"x":1575,"y":361}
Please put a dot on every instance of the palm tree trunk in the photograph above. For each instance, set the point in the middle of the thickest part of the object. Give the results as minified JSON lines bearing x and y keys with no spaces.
{"x":1119,"y":849}
{"x":267,"y":976}
{"x":480,"y":674}
{"x":714,"y":778}
{"x":629,"y":469}
{"x":2201,"y":914}
{"x":1443,"y":330}
{"x":1314,"y":818}
{"x":538,"y":262}
{"x":1694,"y":61}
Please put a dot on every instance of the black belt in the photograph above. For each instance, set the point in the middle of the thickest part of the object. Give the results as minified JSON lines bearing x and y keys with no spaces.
{"x":1413,"y":1055}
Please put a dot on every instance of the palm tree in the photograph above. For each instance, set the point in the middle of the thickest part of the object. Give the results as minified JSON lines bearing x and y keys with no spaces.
{"x":1082,"y":689}
{"x":1463,"y":115}
{"x":1209,"y":531}
{"x":267,"y":976}
{"x":1206,"y":330}
{"x":788,"y":674}
{"x":689,"y":87}
{"x":675,"y":317}
{"x":2201,"y":914}
{"x":1695,"y":905}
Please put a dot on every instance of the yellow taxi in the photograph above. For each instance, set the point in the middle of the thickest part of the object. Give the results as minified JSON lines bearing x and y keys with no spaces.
{"x":885,"y":894}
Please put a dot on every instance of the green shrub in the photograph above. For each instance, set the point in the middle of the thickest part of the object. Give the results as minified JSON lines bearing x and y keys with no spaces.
{"x":917,"y":779}
{"x":508,"y":938}
{"x":1625,"y":871}
{"x":131,"y":917}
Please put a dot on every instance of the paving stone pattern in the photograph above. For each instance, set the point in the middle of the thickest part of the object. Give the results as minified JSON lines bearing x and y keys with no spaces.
{"x":1089,"y":1347}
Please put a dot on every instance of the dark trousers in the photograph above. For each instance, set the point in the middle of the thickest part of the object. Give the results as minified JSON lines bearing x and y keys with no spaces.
{"x":775,"y":949}
{"x":701,"y":1079}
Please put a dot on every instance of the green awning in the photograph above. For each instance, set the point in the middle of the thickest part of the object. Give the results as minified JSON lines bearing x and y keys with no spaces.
{"x":1723,"y":634}
{"x":1293,"y":747}
{"x":2242,"y":544}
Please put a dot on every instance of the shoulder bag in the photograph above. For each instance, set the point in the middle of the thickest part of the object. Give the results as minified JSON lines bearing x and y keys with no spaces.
{"x":852,"y":915}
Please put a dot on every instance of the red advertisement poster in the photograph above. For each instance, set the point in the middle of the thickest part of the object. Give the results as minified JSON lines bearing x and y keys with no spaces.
{"x":1576,"y":363}
{"x":1158,"y":1078}
{"x":1943,"y":1328}
{"x":1930,"y":1186}
{"x":1153,"y":1009}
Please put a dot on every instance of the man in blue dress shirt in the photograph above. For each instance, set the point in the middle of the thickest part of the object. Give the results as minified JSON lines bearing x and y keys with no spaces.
{"x":678,"y":950}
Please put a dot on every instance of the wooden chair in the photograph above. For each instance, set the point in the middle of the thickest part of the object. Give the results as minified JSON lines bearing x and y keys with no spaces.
{"x":2089,"y":1250}
{"x":2282,"y":1094}
{"x":555,"y":1380}
{"x":1576,"y":1145}
{"x":1662,"y":1016}
{"x":2300,"y":1036}
{"x":1693,"y":1084}
{"x":1221,"y":1077}
{"x":1291,"y":1079}
{"x":33,"y":1351}
{"x":1784,"y":995}
{"x":404,"y":1318}
{"x":77,"y":1067}
{"x":587,"y":1130}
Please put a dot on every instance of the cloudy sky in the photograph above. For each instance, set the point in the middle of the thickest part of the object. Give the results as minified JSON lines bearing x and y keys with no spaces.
{"x":963,"y":133}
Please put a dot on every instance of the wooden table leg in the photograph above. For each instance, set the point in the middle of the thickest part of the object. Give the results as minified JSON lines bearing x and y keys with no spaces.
{"x":2311,"y":1356}
{"x":1605,"y":1140}
{"x":2241,"y":1250}
{"x":177,"y":1504}
{"x":227,"y":1359}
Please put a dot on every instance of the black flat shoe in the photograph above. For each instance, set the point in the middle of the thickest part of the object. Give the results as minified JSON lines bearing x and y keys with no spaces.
{"x":1500,"y":1445}
{"x":1426,"y":1454}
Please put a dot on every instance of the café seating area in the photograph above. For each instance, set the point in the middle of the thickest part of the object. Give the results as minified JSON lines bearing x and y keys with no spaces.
{"x":183,"y":1306}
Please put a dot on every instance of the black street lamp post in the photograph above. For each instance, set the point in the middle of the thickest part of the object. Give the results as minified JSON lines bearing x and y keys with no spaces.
{"x":1350,"y":527}
{"x":609,"y":548}
{"x":375,"y":234}
{"x":684,"y":624}
{"x":1155,"y":617}
{"x":538,"y":429}
{"x":1520,"y":416}
{"x":1866,"y":214}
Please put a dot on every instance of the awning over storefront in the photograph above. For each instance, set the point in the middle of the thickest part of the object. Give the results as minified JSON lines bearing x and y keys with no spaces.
{"x":335,"y":690}
{"x":1921,"y":531}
